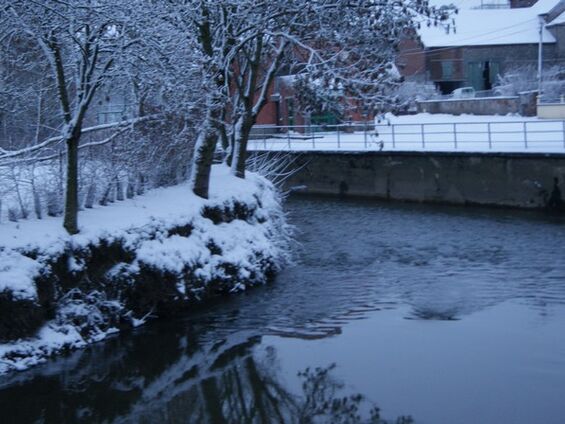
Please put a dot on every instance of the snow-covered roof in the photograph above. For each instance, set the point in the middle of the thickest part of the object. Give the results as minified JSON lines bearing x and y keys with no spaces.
{"x":487,"y":27}
{"x":544,"y":6}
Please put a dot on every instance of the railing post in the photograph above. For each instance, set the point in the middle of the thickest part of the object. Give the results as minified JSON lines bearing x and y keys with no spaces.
{"x":563,"y":125}
{"x":338,"y":139}
{"x":312,"y":135}
{"x":365,"y":135}
{"x":423,"y":138}
{"x":265,"y":140}
{"x":455,"y":135}
{"x":489,"y":137}
{"x":393,"y":137}
{"x":288,"y":137}
{"x":525,"y":135}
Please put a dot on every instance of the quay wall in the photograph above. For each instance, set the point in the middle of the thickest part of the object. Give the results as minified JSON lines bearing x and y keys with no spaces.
{"x":503,"y":180}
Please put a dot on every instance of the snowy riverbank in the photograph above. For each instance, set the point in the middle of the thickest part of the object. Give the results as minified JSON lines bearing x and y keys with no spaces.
{"x":148,"y":256}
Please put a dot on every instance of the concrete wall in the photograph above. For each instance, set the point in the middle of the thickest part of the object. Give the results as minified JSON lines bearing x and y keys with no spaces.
{"x":476,"y":106}
{"x":551,"y":110}
{"x":511,"y":180}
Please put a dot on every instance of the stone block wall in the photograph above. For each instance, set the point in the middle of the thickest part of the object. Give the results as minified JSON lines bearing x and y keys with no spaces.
{"x":503,"y":180}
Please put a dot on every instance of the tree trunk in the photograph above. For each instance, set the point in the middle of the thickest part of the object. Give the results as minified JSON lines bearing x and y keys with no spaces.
{"x":203,"y":158}
{"x":242,"y":131}
{"x":231,"y":143}
{"x":70,"y":221}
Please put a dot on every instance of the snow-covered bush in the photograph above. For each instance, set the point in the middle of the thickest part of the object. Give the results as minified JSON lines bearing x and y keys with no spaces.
{"x":409,"y":92}
{"x":524,"y":79}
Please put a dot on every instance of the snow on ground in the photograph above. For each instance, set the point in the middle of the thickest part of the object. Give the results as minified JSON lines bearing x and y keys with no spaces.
{"x":160,"y":207}
{"x":170,"y":204}
{"x":429,"y":132}
{"x":142,"y":224}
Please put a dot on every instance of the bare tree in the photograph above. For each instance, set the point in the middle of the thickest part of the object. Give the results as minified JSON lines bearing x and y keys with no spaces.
{"x":80,"y":41}
{"x":343,"y":45}
{"x":206,"y":67}
{"x":342,"y":48}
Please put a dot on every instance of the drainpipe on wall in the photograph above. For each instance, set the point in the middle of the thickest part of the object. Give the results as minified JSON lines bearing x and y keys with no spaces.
{"x":540,"y":55}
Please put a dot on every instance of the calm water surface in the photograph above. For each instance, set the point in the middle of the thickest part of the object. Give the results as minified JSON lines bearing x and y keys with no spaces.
{"x":403,"y":312}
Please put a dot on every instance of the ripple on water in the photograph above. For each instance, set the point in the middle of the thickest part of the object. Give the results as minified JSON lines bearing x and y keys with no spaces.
{"x":425,"y":307}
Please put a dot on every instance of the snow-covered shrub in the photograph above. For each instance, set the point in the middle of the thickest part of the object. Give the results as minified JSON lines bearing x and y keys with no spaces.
{"x":107,"y":196}
{"x":18,"y":317}
{"x":524,"y":79}
{"x":276,"y":167}
{"x":130,"y":190}
{"x":90,"y":196}
{"x":54,"y":203}
{"x":13,"y":214}
{"x":409,"y":92}
{"x":119,"y":190}
{"x":37,"y":204}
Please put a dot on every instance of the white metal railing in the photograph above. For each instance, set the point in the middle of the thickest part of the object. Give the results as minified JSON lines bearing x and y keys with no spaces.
{"x":502,"y":136}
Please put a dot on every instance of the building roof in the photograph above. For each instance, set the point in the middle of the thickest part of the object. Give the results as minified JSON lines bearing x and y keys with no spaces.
{"x":556,"y":16}
{"x":560,"y":20}
{"x":488,"y":27}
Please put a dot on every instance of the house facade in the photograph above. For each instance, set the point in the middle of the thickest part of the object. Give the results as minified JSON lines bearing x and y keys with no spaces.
{"x":282,"y":109}
{"x":486,"y":39}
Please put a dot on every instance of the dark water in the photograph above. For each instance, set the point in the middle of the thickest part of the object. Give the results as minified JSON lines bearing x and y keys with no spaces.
{"x":445,"y":315}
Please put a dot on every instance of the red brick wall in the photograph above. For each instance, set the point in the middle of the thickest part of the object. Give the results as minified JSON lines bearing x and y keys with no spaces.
{"x":411,"y":59}
{"x":268,"y":115}
{"x":434,"y":59}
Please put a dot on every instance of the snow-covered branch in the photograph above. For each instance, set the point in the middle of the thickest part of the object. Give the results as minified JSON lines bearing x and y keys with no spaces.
{"x":121,"y":126}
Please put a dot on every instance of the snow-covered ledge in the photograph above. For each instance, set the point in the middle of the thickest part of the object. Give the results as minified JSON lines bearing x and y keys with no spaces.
{"x":149,"y":256}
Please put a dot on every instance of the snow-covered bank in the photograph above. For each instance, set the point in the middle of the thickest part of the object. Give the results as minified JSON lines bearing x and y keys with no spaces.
{"x":151,"y":255}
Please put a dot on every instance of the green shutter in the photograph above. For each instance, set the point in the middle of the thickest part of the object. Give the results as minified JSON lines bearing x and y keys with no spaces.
{"x":475,"y":75}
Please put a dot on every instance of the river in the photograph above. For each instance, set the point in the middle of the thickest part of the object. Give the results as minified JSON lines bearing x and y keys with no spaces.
{"x":396,"y":312}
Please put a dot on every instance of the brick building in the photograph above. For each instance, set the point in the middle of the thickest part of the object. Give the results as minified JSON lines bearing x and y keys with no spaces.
{"x":282,"y":108}
{"x":486,"y":39}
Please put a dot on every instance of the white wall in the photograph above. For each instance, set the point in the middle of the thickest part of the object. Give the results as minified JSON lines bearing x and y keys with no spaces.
{"x":551,"y":111}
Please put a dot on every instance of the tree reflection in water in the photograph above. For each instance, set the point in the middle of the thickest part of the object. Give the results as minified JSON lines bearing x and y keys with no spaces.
{"x":238,"y":387}
{"x":225,"y":382}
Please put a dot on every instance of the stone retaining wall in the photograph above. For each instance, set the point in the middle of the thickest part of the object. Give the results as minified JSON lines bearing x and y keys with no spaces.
{"x":505,"y":180}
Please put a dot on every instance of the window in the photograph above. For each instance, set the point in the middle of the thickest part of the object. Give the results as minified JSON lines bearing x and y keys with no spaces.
{"x":447,"y":69}
{"x":290,"y":111}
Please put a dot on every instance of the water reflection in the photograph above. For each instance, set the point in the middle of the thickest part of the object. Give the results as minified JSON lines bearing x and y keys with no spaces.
{"x":423,"y":284}
{"x":169,"y":379}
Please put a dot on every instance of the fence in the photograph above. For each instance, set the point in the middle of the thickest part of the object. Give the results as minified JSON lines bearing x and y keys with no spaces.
{"x":544,"y":136}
